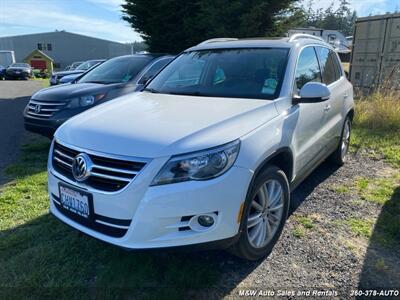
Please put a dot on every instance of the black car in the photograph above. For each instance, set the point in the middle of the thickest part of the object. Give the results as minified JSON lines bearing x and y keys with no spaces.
{"x":50,"y":107}
{"x":82,"y":68}
{"x":19,"y":71}
{"x":2,"y":72}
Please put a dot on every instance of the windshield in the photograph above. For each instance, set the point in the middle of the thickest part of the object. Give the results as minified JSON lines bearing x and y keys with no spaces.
{"x":119,"y":69}
{"x":87,"y":65}
{"x":20,"y":66}
{"x":75,"y":65}
{"x":238,"y":73}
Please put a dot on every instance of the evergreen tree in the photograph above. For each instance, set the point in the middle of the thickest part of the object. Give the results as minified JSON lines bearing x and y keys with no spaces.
{"x":173,"y":25}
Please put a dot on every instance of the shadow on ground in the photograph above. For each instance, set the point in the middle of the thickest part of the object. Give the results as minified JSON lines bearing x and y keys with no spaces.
{"x":381,"y":268}
{"x":11,"y":130}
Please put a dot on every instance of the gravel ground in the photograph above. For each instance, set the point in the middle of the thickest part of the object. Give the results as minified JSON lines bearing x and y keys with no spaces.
{"x":14,"y":95}
{"x":328,"y":256}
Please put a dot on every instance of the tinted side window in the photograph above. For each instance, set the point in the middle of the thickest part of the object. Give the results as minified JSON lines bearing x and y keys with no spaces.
{"x":338,"y":65}
{"x":154,"y":69}
{"x":328,"y":67}
{"x":307,"y":68}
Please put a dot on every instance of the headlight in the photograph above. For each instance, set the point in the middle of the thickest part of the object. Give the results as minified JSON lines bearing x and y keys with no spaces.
{"x":200,"y":165}
{"x":84,"y":100}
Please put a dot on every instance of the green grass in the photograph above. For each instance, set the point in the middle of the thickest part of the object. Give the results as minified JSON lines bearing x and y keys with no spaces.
{"x":342,"y":189}
{"x":36,"y":250}
{"x":299,"y":232}
{"x":360,"y":227}
{"x":44,"y":81}
{"x":307,"y":222}
{"x":377,"y":126}
{"x":304,"y":223}
{"x":380,"y":265}
{"x":379,"y":143}
{"x":377,"y":190}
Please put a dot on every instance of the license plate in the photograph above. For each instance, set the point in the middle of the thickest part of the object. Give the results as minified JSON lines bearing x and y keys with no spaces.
{"x":17,"y":72}
{"x":75,"y":201}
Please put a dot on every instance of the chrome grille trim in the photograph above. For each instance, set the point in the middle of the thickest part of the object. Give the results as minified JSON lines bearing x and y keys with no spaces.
{"x":45,"y":103}
{"x":109,"y":176}
{"x":109,"y":173}
{"x":63,"y":154}
{"x":63,"y":162}
{"x":47,"y":109}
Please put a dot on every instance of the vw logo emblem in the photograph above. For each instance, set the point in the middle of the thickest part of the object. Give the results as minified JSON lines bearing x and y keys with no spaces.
{"x":81,"y":167}
{"x":38,"y":108}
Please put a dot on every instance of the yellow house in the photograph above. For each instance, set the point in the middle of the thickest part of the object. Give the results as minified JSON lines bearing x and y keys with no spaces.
{"x":38,"y":60}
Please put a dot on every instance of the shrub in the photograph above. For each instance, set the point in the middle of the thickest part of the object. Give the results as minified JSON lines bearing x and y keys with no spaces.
{"x":378,"y":111}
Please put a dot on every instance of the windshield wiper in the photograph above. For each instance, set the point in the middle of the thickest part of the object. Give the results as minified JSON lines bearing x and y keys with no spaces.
{"x":151,"y":90}
{"x":187,"y":93}
{"x":94,"y":81}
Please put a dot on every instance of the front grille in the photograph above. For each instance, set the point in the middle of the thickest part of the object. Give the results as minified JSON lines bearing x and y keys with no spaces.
{"x":107,"y":174}
{"x":44,"y":109}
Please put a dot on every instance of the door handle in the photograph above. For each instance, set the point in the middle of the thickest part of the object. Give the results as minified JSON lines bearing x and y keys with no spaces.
{"x":345,"y":96}
{"x":327,"y":107}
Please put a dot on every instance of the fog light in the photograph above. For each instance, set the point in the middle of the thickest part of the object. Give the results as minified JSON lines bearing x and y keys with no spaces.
{"x":206,"y":221}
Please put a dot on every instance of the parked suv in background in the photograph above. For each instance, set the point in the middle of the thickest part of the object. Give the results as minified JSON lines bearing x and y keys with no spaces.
{"x":82,"y":68}
{"x":19,"y":71}
{"x":49,"y":108}
{"x":209,"y":152}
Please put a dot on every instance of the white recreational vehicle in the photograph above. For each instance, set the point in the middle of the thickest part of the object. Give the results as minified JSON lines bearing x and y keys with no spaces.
{"x":333,"y":37}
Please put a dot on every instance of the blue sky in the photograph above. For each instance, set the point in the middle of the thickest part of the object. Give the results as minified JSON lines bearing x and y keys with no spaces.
{"x":102,"y":18}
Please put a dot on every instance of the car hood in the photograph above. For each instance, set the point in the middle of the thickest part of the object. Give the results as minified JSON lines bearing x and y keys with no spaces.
{"x":65,"y":73}
{"x":155,"y":125}
{"x":68,"y":91}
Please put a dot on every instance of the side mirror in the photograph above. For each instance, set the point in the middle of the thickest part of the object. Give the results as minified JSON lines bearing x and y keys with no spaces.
{"x":313,"y":92}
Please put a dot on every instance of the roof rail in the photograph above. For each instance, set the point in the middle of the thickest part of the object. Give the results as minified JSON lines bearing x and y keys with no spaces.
{"x":304,"y":36}
{"x":218,"y":40}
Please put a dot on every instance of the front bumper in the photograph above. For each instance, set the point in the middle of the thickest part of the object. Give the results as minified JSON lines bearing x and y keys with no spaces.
{"x":42,"y":126}
{"x":160,"y":216}
{"x":48,"y":126}
{"x":21,"y":75}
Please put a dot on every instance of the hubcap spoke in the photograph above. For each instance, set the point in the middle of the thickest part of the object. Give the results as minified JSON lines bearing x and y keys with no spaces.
{"x":346,"y":139}
{"x":255,"y":233}
{"x":268,"y":227}
{"x":273,"y":219}
{"x":265,"y":213}
{"x":254,"y":220}
{"x":275,"y":208}
{"x":261,"y":235}
{"x":257,"y":206}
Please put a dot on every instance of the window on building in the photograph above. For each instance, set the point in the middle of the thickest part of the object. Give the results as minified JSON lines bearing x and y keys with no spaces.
{"x":49,"y":47}
{"x":39,"y":46}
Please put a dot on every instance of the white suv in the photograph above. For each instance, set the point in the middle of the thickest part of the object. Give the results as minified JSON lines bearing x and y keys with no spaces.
{"x":210,"y":151}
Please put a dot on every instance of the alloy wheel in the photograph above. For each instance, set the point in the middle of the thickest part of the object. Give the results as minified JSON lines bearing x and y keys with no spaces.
{"x":265,"y":213}
{"x":345,"y":139}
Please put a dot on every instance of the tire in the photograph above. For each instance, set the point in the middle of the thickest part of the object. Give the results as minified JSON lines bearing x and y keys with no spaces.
{"x":253,"y":244}
{"x":339,"y":156}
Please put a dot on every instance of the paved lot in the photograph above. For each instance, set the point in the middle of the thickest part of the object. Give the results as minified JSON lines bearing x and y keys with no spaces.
{"x":14,"y":95}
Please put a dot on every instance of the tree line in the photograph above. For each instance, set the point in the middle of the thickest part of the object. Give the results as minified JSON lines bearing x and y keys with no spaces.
{"x":174,"y":25}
